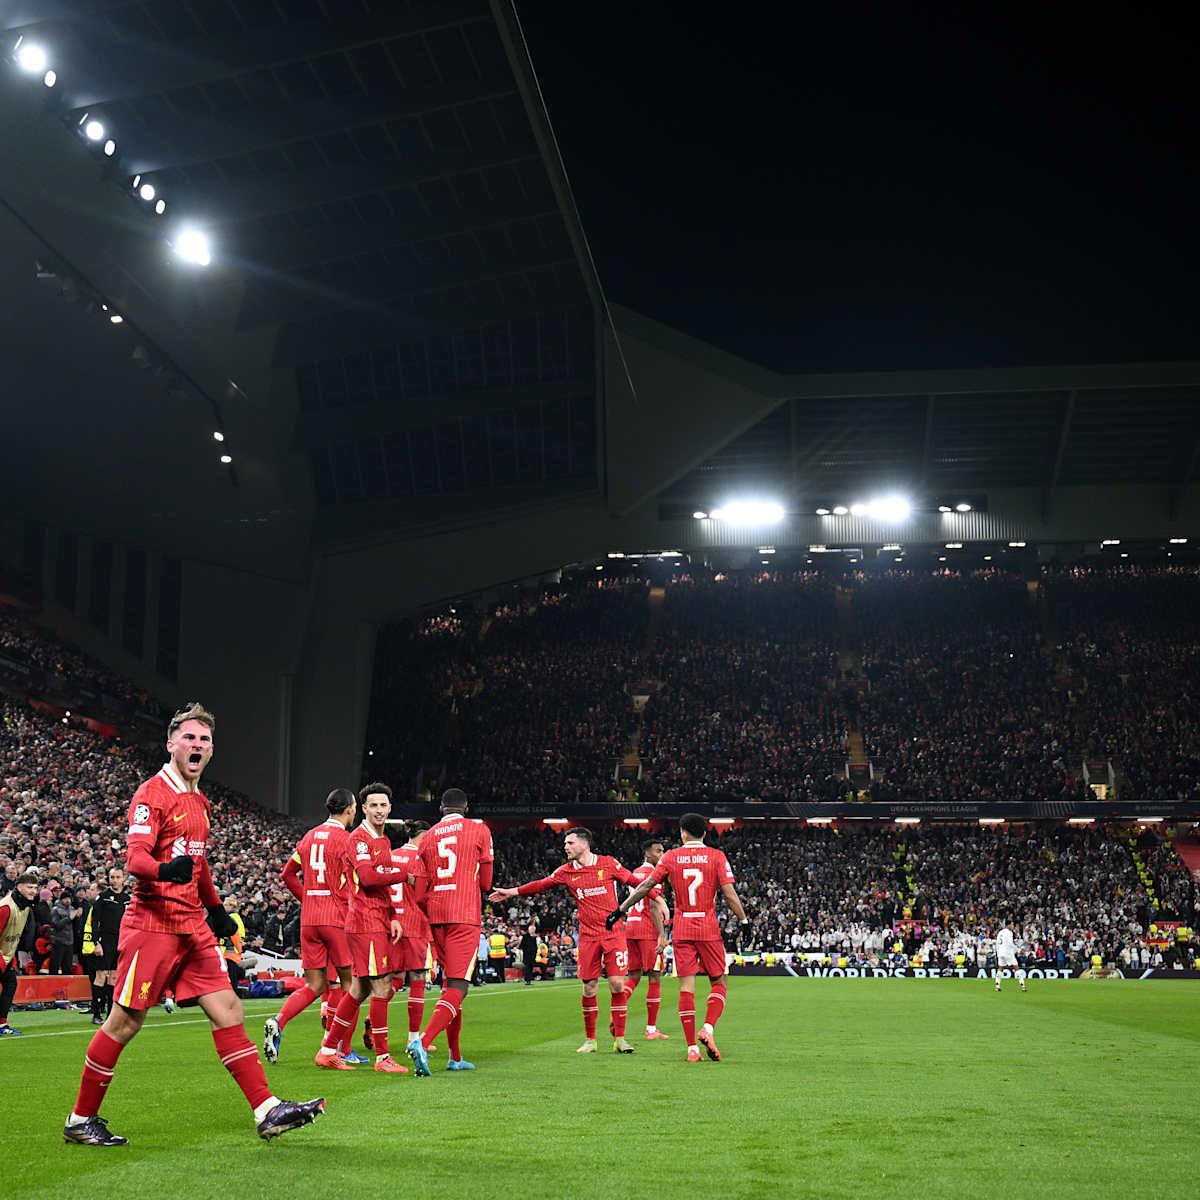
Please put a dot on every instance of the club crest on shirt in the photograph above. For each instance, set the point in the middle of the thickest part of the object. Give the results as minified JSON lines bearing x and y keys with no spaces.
{"x":141,"y":814}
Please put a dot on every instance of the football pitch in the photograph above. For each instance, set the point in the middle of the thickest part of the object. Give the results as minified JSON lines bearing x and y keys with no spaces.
{"x":828,"y":1087}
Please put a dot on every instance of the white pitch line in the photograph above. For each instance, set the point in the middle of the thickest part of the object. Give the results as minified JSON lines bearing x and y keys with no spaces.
{"x":169,"y":1024}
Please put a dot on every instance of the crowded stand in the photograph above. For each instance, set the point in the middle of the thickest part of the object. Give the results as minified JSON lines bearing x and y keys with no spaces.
{"x":747,"y":703}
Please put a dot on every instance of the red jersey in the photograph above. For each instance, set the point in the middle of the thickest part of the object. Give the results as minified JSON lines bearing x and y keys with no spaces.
{"x":594,"y":888}
{"x":371,"y":878}
{"x":320,"y":862}
{"x":696,"y":872}
{"x":413,"y":923}
{"x":457,"y":856}
{"x":167,"y":821}
{"x":639,"y":923}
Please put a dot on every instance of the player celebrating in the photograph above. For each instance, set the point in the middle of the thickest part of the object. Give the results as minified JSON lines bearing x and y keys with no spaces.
{"x":696,"y":871}
{"x":1006,"y":955}
{"x":165,"y":942}
{"x":645,"y":935}
{"x":412,"y":953}
{"x":371,"y":932}
{"x":591,"y":878}
{"x":456,"y":866}
{"x":316,"y":876}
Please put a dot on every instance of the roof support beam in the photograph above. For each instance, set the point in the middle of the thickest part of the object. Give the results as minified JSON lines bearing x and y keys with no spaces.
{"x":927,"y":442}
{"x":1064,"y":433}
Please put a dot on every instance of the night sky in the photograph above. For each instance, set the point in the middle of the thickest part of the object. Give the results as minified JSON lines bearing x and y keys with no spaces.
{"x":886,"y":186}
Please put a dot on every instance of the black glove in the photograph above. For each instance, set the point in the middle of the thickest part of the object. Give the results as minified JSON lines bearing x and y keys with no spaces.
{"x":612,"y":918}
{"x":178,"y":870}
{"x":220,"y":922}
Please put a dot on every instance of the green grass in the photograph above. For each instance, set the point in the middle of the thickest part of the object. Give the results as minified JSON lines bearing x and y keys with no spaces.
{"x":828,"y":1088}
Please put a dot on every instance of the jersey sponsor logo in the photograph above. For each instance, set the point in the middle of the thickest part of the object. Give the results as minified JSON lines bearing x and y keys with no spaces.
{"x":141,"y":814}
{"x":592,"y":891}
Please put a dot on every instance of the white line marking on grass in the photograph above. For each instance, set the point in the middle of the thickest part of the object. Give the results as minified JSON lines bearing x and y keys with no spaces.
{"x":263,"y":1003}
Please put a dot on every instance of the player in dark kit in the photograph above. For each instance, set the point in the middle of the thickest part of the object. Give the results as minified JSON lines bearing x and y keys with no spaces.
{"x":166,"y":943}
{"x":316,"y":876}
{"x":456,"y":857}
{"x":696,"y":872}
{"x":591,"y":879}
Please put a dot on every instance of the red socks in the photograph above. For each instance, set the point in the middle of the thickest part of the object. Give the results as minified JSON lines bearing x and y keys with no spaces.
{"x":295,"y":1004}
{"x":98,"y":1064}
{"x":341,"y":1025}
{"x":687,"y":1016}
{"x":716,"y":1004}
{"x":591,"y":1008}
{"x":453,"y":1031}
{"x":240,"y":1058}
{"x":444,"y":1011}
{"x":379,"y":1032}
{"x":653,"y":1000}
{"x":416,"y":1007}
{"x":618,"y":1011}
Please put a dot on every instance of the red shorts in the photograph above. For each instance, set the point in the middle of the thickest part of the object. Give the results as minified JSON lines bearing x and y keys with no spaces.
{"x":643,"y":955}
{"x":699,"y":958}
{"x":607,"y":950}
{"x":371,"y":954}
{"x":412,"y":954}
{"x":456,"y":947}
{"x":323,"y":947}
{"x":189,"y":964}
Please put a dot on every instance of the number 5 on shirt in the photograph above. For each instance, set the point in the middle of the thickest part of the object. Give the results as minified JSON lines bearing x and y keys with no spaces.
{"x":446,"y":854}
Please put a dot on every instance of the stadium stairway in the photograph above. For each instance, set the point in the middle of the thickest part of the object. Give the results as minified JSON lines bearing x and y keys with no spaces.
{"x":1187,"y":846}
{"x":642,"y":691}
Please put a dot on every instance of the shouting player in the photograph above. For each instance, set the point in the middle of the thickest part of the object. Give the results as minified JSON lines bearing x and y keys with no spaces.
{"x":165,"y":942}
{"x":316,"y":876}
{"x":646,"y":937}
{"x":696,"y":872}
{"x":371,"y":932}
{"x":456,"y":866}
{"x":591,"y":879}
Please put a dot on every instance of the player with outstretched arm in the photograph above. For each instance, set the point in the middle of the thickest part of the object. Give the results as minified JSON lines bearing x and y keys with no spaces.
{"x":166,"y":943}
{"x":696,"y":873}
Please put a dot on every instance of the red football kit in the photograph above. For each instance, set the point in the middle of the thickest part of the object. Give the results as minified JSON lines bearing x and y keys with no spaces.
{"x":595,"y":893}
{"x":696,"y":872}
{"x":640,"y":931}
{"x":369,"y":917}
{"x":456,"y":855}
{"x":165,"y":942}
{"x":316,"y":875}
{"x":412,"y":954}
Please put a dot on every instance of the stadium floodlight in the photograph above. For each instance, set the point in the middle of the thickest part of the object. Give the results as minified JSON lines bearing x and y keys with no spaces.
{"x":898,"y":558}
{"x":700,"y":515}
{"x":822,"y":512}
{"x":116,"y":319}
{"x":1110,"y":542}
{"x":226,"y":459}
{"x":31,"y":57}
{"x":941,"y":558}
{"x":50,"y":78}
{"x":110,"y":148}
{"x":160,"y":207}
{"x":94,"y":130}
{"x":192,"y":246}
{"x":858,"y":509}
{"x":1150,"y":820}
{"x":908,"y":820}
{"x":218,"y":436}
{"x":818,"y":820}
{"x":991,"y":820}
{"x":954,"y":545}
{"x":766,"y":549}
{"x":749,"y":512}
{"x":147,"y":191}
{"x":721,"y":820}
{"x":1081,"y":820}
{"x":987,"y":558}
{"x":962,"y":506}
{"x":616,"y":554}
{"x":840,"y":510}
{"x":889,"y":508}
{"x":1016,"y":545}
{"x":635,"y":820}
{"x":599,"y":567}
{"x":892,"y":546}
{"x":1178,"y":541}
{"x":554,"y":822}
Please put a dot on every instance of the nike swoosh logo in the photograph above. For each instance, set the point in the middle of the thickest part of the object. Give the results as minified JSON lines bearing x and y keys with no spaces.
{"x":179,"y":816}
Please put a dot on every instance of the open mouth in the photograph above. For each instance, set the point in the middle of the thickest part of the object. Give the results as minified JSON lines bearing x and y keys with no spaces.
{"x":195,"y":759}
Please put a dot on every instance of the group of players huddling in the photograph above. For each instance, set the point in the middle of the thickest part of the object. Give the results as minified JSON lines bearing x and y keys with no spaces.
{"x":376,"y":918}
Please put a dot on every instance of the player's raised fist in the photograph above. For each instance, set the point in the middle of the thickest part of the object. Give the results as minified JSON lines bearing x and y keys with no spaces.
{"x":178,"y":870}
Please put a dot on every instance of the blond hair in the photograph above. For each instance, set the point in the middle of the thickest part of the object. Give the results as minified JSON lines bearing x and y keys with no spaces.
{"x":195,"y":711}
